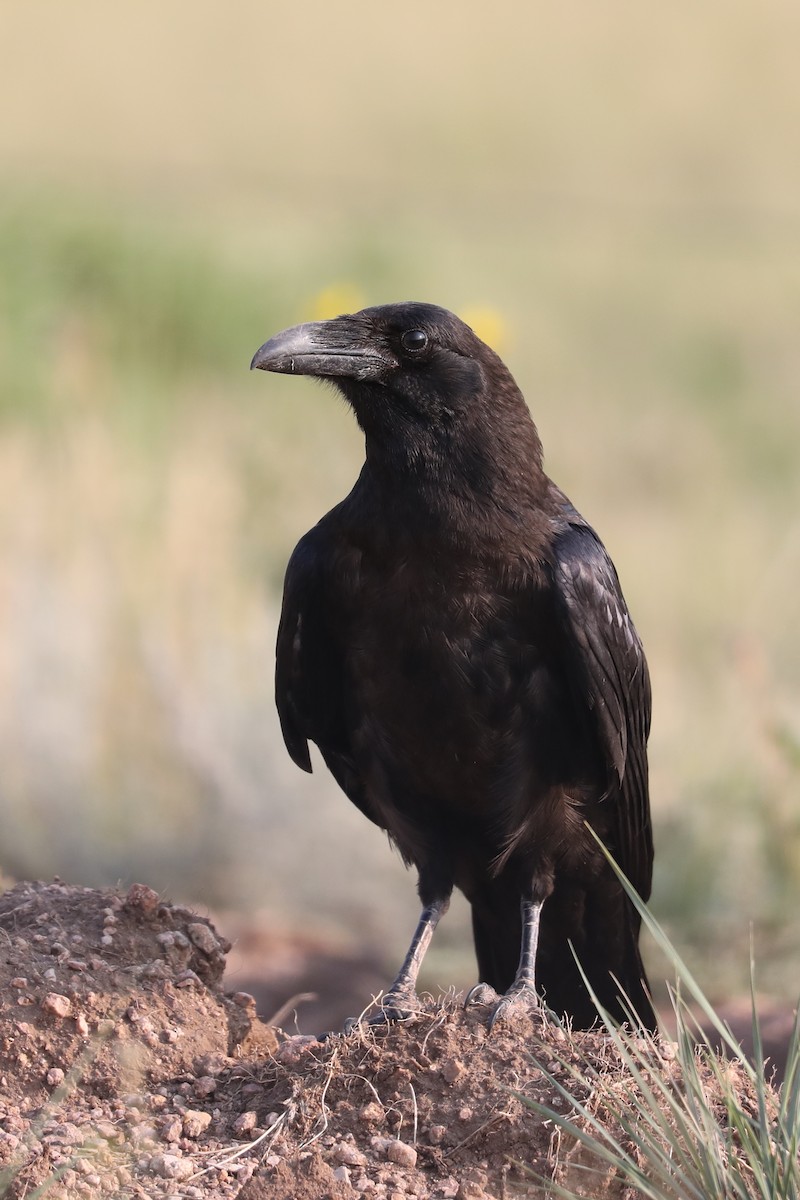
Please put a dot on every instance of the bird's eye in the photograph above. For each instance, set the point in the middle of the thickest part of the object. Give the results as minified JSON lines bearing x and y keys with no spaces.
{"x":414,"y":339}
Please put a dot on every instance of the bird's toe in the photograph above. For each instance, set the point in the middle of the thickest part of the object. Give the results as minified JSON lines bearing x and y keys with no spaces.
{"x":397,"y":1006}
{"x":517,"y":1000}
{"x":480,"y":994}
{"x":394,"y":1006}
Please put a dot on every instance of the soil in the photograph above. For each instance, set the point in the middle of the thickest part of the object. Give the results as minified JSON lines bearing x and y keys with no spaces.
{"x":127,"y":1071}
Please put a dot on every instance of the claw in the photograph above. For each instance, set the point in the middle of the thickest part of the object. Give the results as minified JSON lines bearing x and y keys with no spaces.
{"x":522,"y":999}
{"x":394,"y":1006}
{"x":481,"y":994}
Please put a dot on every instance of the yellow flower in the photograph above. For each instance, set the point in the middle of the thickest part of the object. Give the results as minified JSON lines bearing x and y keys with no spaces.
{"x":489,"y":325}
{"x":335,"y":299}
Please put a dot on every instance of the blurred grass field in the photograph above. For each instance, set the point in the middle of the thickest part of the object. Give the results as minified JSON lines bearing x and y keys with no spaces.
{"x":614,"y":193}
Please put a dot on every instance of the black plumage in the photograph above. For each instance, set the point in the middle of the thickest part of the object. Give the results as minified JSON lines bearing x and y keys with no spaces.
{"x":455,"y":641}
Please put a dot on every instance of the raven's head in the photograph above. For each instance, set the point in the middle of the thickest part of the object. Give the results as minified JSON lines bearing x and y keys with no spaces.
{"x":418,"y":359}
{"x":424,"y":388}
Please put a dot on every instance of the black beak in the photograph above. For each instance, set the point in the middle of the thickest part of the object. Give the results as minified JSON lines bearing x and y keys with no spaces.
{"x":324,"y":348}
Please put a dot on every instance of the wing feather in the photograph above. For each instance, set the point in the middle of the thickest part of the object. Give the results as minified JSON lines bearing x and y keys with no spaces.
{"x":312,"y":692}
{"x":609,"y":671}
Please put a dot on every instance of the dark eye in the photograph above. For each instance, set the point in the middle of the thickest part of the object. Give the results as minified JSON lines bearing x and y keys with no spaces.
{"x":414,"y":339}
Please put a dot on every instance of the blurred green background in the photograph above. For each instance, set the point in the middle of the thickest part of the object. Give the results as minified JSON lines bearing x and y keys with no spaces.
{"x":610,"y":192}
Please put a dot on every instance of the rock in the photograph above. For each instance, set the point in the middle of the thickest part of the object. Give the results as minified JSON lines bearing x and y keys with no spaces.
{"x":245,"y":1123}
{"x":58,"y":1005}
{"x":469,"y":1189}
{"x":244,"y":1000}
{"x":142,"y":897}
{"x":402,"y":1154}
{"x":171,"y":1166}
{"x":350,"y":1155}
{"x":452,"y":1070}
{"x":195,"y":1122}
{"x":203,"y":938}
{"x":170,"y":1128}
{"x":213,"y":1064}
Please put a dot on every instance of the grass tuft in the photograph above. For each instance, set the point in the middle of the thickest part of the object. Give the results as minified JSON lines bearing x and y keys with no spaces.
{"x":698,"y":1119}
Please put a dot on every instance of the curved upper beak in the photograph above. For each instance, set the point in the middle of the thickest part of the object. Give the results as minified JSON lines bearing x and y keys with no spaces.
{"x":323,"y":348}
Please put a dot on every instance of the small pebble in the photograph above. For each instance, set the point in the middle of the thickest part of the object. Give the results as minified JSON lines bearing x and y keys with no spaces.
{"x":54,"y":1077}
{"x":452,"y":1070}
{"x":170,"y":1166}
{"x":341,"y":1174}
{"x":436,"y":1134}
{"x":402,"y":1154}
{"x":213,"y":1064}
{"x":195,"y":1122}
{"x":468,"y":1189}
{"x":245,"y":1123}
{"x":57,"y":1004}
{"x":142,"y":897}
{"x":349,"y":1155}
{"x":187,"y":979}
{"x":202,"y":937}
{"x":244,"y":1000}
{"x":109,"y":1131}
{"x":171,"y":1129}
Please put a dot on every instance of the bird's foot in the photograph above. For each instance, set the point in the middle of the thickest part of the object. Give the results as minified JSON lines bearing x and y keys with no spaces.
{"x":520,"y":998}
{"x":395,"y":1005}
{"x":482,"y":994}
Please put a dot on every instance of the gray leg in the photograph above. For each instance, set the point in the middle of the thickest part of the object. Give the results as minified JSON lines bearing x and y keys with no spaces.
{"x":525,"y":978}
{"x":522,"y":993}
{"x":401,"y":1000}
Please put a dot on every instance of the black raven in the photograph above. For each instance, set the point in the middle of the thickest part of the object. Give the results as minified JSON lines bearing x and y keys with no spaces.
{"x":455,"y":641}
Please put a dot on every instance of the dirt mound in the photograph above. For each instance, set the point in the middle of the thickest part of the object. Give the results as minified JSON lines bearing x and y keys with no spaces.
{"x":126,"y":1071}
